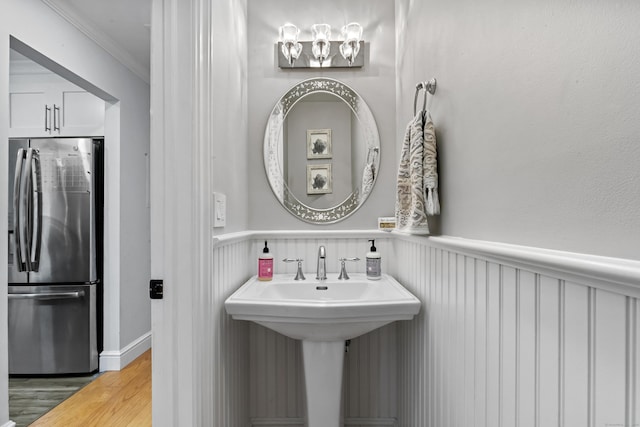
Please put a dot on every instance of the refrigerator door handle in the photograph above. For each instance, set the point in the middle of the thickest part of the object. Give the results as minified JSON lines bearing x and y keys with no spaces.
{"x":18,"y":222}
{"x":49,"y":295}
{"x":36,"y":203}
{"x":26,"y":210}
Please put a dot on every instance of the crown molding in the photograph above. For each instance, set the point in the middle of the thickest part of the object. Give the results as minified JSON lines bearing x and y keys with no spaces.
{"x":101,"y":39}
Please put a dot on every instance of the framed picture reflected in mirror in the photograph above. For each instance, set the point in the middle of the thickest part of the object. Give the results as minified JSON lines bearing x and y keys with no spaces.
{"x":319,"y":179}
{"x":319,"y":144}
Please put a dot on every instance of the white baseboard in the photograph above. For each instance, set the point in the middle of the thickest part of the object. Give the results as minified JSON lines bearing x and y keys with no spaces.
{"x":277,"y":422}
{"x":116,"y":360}
{"x":9,"y":424}
{"x":300,"y":422}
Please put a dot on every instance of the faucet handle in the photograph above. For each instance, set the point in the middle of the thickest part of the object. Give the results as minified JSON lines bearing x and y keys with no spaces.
{"x":343,"y":270}
{"x":299,"y":274}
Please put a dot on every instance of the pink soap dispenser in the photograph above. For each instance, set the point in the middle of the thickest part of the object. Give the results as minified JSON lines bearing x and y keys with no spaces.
{"x":265,"y":264}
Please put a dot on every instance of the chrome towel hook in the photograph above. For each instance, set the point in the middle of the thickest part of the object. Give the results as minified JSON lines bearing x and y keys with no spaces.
{"x":429,"y":87}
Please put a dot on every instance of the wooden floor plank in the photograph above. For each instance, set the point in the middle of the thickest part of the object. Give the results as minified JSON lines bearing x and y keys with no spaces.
{"x":118,"y":398}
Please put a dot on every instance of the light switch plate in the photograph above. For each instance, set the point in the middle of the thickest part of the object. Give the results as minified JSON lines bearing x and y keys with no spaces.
{"x":219,"y":210}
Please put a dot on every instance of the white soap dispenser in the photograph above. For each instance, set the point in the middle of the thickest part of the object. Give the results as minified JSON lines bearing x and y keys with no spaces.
{"x":374,"y":259}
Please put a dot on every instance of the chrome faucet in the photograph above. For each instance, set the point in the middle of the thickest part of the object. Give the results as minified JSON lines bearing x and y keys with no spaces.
{"x":321,"y":272}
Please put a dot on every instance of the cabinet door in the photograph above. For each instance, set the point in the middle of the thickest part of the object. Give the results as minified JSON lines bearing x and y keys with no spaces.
{"x":81,"y":114}
{"x":29,"y":114}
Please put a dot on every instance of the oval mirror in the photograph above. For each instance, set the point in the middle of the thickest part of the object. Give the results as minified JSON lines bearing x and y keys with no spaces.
{"x":321,"y":150}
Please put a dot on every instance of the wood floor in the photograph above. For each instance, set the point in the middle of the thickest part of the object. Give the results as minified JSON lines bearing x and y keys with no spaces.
{"x":113,"y":399}
{"x":32,"y":397}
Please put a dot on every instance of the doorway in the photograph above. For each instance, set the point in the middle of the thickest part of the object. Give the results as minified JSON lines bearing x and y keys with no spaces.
{"x":44,"y":364}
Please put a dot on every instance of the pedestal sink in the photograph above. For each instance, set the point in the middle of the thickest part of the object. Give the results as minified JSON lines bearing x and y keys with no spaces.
{"x":323,"y":314}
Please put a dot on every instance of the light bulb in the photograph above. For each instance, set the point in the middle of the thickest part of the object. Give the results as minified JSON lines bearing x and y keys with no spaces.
{"x":321,"y":47}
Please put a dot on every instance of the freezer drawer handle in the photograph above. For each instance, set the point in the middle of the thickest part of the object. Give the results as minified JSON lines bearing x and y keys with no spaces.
{"x":53,"y":295}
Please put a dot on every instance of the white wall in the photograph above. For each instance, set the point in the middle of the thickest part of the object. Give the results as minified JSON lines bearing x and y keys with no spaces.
{"x":267,"y":83}
{"x":535,"y":116}
{"x":127,"y":240}
{"x":199,"y":145}
{"x":228,"y":103}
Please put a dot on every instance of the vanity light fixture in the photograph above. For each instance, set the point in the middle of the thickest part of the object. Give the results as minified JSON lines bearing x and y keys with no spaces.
{"x":291,"y":49}
{"x":317,"y":53}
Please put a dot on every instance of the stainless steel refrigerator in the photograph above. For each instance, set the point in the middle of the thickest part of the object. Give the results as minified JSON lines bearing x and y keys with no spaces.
{"x":53,"y":250}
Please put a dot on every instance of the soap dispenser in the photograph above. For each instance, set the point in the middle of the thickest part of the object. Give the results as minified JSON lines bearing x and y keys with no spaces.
{"x":265,"y":264}
{"x":374,"y":259}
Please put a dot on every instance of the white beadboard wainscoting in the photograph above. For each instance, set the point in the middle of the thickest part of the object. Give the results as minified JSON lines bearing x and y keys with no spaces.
{"x":507,"y":336}
{"x":512,"y":336}
{"x":222,"y":344}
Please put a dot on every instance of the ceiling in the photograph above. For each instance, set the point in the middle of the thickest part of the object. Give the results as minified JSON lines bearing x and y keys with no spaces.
{"x":121,"y":27}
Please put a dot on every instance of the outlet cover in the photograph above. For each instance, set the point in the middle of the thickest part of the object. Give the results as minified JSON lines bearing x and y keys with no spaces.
{"x":219,"y":210}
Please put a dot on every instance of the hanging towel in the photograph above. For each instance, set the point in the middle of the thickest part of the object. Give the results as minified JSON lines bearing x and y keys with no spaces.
{"x":417,"y":189}
{"x":368,"y":176}
{"x":430,"y":166}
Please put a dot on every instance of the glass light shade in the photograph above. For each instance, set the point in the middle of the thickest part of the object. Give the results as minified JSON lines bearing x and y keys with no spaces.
{"x":291,"y":49}
{"x":321,"y":32}
{"x":352,"y":32}
{"x":321,"y":45}
{"x":289,"y":33}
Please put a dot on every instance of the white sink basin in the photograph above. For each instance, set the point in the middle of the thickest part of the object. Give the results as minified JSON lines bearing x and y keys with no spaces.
{"x":331,"y":310}
{"x":323,"y":314}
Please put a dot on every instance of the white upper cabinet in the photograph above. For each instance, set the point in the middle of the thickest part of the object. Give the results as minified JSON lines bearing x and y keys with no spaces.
{"x":46,"y":105}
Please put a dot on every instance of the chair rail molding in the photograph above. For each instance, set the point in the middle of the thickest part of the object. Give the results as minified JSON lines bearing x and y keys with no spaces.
{"x":617,"y":275}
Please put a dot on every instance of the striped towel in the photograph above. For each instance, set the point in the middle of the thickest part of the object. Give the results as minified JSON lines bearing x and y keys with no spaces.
{"x":369,"y":173}
{"x":417,"y":190}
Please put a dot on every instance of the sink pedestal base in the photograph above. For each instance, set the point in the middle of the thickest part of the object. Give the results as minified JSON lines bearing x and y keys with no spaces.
{"x":323,"y":363}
